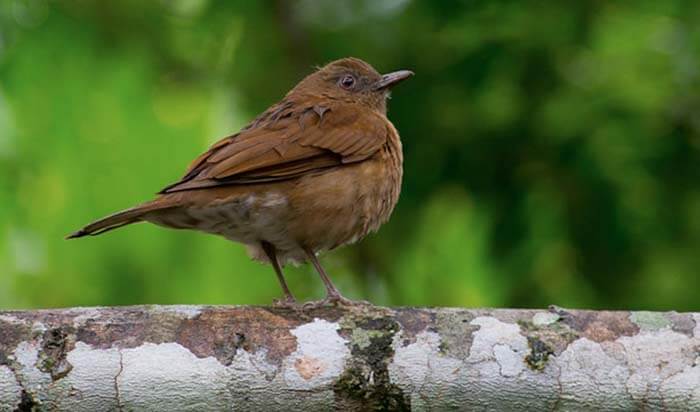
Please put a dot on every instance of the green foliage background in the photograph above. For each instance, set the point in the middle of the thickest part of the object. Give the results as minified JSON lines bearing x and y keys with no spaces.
{"x":552,"y":148}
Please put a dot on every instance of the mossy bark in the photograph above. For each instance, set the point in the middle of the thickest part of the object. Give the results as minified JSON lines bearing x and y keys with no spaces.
{"x":366,"y":358}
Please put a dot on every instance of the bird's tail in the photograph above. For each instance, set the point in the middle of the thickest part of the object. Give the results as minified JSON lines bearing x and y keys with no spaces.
{"x":115,"y":220}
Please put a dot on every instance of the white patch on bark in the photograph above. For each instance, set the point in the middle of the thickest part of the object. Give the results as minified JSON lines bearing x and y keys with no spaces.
{"x":586,"y":368}
{"x":35,"y":382}
{"x":436,"y":380}
{"x":684,"y":387}
{"x":497,"y":359}
{"x":510,"y":360}
{"x":27,"y":354}
{"x":421,"y":370}
{"x":10,"y":390}
{"x":151,"y":371}
{"x":92,"y":378}
{"x":320,"y":346}
{"x":493,"y":332}
{"x":653,"y":358}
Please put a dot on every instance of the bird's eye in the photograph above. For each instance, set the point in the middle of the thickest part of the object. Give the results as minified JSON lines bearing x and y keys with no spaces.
{"x":347,"y":82}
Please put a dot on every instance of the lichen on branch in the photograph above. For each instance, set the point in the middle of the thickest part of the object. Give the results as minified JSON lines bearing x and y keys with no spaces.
{"x":365,"y":358}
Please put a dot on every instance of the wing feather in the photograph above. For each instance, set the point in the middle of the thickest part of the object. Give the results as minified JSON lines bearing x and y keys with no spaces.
{"x":288,"y":141}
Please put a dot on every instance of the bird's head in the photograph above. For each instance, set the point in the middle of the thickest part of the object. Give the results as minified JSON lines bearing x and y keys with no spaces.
{"x":351,"y":80}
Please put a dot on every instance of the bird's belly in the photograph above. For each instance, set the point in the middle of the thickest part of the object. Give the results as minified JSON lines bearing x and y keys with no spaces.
{"x":250,"y":220}
{"x":342,"y":206}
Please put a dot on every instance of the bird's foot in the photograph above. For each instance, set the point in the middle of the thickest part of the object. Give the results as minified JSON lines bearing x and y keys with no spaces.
{"x":288,"y":303}
{"x":334,"y":300}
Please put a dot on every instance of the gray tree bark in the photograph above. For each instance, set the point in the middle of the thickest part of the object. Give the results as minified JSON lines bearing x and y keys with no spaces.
{"x":201,"y":358}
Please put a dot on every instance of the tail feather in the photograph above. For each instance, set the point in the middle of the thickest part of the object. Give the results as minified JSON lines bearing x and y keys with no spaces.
{"x":114,"y":221}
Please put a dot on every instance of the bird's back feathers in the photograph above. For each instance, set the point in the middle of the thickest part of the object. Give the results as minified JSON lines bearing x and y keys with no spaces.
{"x":287,"y":141}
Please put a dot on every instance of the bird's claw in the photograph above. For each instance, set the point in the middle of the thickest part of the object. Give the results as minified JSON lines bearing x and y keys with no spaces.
{"x":334,"y":300}
{"x":288,"y":302}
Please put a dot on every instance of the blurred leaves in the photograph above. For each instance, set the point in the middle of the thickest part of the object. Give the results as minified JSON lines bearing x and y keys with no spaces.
{"x":552,"y":149}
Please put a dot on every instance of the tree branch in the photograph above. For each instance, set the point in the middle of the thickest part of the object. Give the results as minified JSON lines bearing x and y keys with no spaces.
{"x":258,"y":358}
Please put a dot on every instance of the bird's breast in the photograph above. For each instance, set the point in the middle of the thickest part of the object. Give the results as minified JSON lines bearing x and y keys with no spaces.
{"x":345,"y":204}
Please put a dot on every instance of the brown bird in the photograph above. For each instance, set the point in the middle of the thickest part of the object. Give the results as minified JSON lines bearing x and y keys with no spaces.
{"x":320,"y":169}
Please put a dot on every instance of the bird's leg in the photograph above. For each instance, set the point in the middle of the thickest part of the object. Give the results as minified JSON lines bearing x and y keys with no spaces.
{"x":333,"y":296}
{"x":272,"y":255}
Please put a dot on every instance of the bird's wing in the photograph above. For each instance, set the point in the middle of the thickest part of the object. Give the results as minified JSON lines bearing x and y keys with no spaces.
{"x":285,"y":142}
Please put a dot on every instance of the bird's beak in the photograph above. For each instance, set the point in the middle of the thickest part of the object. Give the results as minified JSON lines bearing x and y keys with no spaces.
{"x":389,"y":80}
